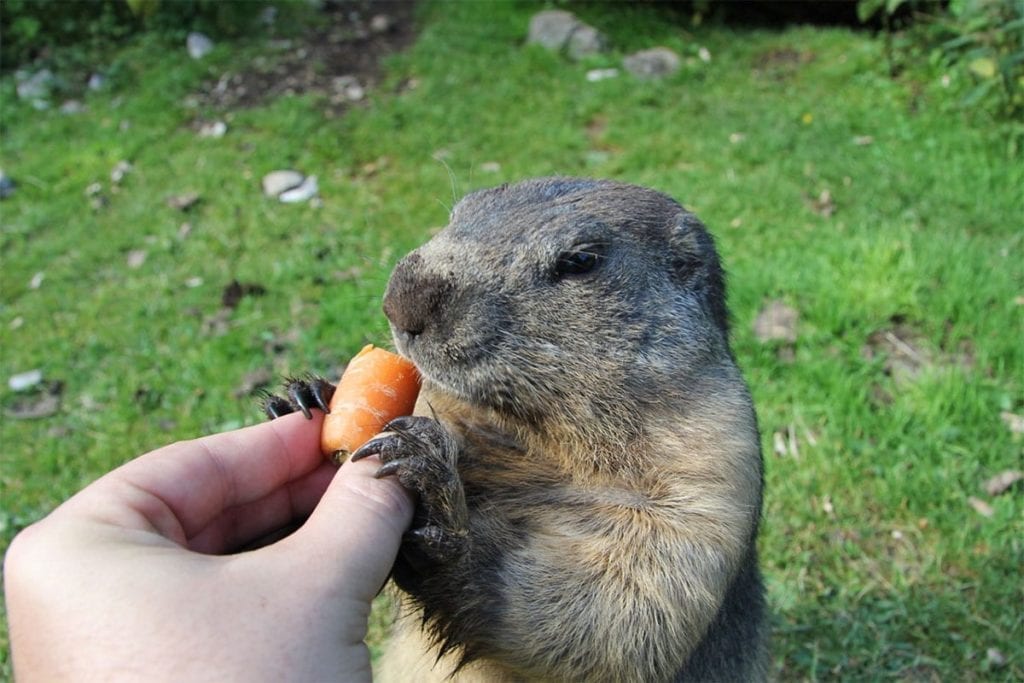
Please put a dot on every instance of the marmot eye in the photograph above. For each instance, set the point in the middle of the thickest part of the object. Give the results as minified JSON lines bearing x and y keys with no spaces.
{"x":580,"y":259}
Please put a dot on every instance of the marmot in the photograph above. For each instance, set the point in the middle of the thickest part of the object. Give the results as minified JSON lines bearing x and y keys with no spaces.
{"x":585,"y":450}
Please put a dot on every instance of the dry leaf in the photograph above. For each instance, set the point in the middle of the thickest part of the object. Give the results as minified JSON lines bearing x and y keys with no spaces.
{"x":1013,"y":421}
{"x":981,"y":507}
{"x":1002,"y":482}
{"x":776,"y":321}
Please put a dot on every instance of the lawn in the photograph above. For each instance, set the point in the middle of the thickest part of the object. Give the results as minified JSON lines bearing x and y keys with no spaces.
{"x":872,"y":207}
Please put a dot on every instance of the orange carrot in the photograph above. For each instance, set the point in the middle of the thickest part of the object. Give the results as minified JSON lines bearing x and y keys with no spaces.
{"x":376,"y":387}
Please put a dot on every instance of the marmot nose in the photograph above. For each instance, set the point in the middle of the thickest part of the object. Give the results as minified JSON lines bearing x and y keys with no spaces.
{"x":415,"y":299}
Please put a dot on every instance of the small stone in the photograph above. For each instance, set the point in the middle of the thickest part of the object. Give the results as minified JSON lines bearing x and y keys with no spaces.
{"x":37,"y":280}
{"x":25,"y":380}
{"x":96,"y":82}
{"x":995,"y":658}
{"x":184,"y":201}
{"x":93,"y":189}
{"x":276,"y":182}
{"x":121,"y":169}
{"x":184,"y":230}
{"x":7,"y":185}
{"x":381,"y":23}
{"x":194,"y":282}
{"x":349,"y":88}
{"x":136,"y":257}
{"x":305,"y":190}
{"x":490,"y":167}
{"x":595,"y":75}
{"x":198,"y":45}
{"x":704,"y":55}
{"x":655,"y":63}
{"x":72,"y":107}
{"x":36,"y":88}
{"x":213,"y":129}
{"x":584,"y":42}
{"x":552,"y":28}
{"x":863,"y":140}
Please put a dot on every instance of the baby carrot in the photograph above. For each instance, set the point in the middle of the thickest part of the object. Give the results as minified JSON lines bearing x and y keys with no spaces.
{"x":376,"y":387}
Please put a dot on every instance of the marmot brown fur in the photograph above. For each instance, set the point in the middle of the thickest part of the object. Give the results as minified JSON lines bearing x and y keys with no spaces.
{"x":586,"y":452}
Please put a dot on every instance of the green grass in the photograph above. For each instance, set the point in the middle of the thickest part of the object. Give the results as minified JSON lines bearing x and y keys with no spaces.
{"x":878,"y":567}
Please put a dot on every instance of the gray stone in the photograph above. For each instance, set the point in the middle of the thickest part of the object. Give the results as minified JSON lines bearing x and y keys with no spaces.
{"x":97,"y":81}
{"x":25,"y":380}
{"x":307,"y":189}
{"x":552,"y":28}
{"x":276,"y":182}
{"x":36,"y":88}
{"x":198,"y":45}
{"x":7,"y":185}
{"x":657,"y":62}
{"x":72,"y":107}
{"x":584,"y":42}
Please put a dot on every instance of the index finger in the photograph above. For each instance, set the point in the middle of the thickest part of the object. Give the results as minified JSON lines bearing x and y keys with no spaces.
{"x":179,"y":489}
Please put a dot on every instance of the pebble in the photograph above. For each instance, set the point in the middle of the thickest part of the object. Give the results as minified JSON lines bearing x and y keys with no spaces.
{"x":35,"y":88}
{"x":72,"y":107}
{"x":381,"y":23}
{"x":552,"y":28}
{"x":559,"y":30}
{"x":7,"y":185}
{"x":585,"y":41}
{"x":198,"y":45}
{"x":595,"y":75}
{"x":306,"y":190}
{"x":276,"y":182}
{"x":96,"y":82}
{"x":651,"y":64}
{"x":349,"y":88}
{"x":25,"y":380}
{"x":213,"y":129}
{"x":122,"y":169}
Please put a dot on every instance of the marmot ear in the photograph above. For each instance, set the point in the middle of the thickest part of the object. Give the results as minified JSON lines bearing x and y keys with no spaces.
{"x":696,"y":266}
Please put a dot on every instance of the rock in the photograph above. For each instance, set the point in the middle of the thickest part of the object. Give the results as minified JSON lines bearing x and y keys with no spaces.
{"x":584,"y":42}
{"x":135,"y":258}
{"x":97,"y":81}
{"x":72,"y":107}
{"x":1003,"y":482}
{"x":657,"y":62}
{"x":183,"y":202}
{"x":552,"y":28}
{"x":7,"y":185}
{"x":36,"y":88}
{"x":558,"y":30}
{"x":381,"y":23}
{"x":490,"y":167}
{"x":306,"y":190}
{"x":37,"y":280}
{"x":198,"y":45}
{"x":121,"y":169}
{"x":276,"y":182}
{"x":25,"y":380}
{"x":595,"y":75}
{"x":349,"y":88}
{"x":213,"y":129}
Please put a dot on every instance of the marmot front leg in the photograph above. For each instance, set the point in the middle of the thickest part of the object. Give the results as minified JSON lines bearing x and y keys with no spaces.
{"x":423,"y":455}
{"x":303,"y":394}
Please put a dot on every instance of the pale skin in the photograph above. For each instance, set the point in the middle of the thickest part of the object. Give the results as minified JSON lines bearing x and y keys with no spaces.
{"x":142,"y":576}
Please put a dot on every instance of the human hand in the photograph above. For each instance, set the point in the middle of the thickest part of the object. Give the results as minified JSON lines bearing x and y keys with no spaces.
{"x":139,"y":575}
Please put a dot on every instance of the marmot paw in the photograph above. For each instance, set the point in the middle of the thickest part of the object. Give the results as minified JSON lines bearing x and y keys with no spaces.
{"x":303,"y":394}
{"x":422,"y":455}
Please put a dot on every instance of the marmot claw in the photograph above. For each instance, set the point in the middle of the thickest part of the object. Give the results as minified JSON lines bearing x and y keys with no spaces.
{"x":422,"y":455}
{"x":304,"y":393}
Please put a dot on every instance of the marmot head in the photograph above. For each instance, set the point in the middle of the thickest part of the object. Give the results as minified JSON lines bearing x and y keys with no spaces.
{"x":564,"y":299}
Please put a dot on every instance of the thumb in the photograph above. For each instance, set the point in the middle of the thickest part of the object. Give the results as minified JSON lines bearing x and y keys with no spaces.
{"x":352,"y":537}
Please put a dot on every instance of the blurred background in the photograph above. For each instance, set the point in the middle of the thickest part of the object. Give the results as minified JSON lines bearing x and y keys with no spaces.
{"x":201,"y":197}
